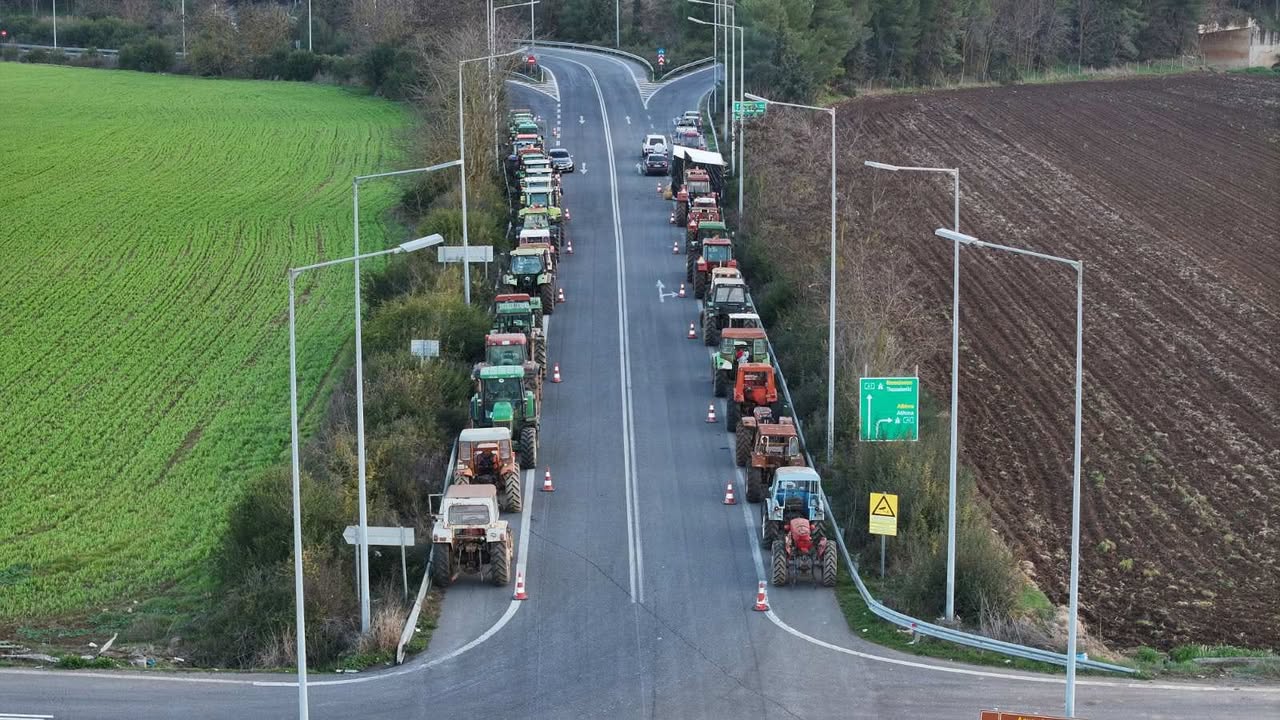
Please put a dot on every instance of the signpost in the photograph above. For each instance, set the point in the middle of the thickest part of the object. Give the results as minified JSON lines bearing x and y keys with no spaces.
{"x":888,"y":408}
{"x":662,"y":57}
{"x":749,"y":108}
{"x":884,"y":520}
{"x":473,"y":253}
{"x":401,"y":536}
{"x":424,"y":349}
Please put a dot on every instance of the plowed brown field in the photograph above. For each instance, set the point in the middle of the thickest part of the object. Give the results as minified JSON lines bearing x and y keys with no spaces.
{"x":1168,"y":190}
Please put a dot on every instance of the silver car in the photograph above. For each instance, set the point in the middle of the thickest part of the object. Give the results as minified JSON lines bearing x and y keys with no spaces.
{"x":561,"y":160}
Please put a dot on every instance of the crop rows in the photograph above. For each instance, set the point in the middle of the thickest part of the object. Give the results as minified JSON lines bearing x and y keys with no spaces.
{"x":148,"y":225}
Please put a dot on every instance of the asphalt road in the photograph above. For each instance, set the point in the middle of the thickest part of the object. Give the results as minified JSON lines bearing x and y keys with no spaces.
{"x":641,"y":581}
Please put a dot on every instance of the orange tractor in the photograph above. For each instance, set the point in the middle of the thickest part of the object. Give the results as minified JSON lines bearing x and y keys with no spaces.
{"x":716,"y":252}
{"x":697,"y":184}
{"x":764,"y":444}
{"x":704,"y":208}
{"x":753,"y":387}
{"x":485,"y":458}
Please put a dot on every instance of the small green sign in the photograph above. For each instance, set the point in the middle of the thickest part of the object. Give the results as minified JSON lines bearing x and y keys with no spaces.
{"x":749,"y":108}
{"x":888,"y":408}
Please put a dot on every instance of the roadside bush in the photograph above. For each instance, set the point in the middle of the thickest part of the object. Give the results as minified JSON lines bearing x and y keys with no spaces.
{"x":460,"y":329}
{"x":338,"y":68}
{"x":389,"y":71}
{"x":36,"y":56}
{"x":271,"y":66}
{"x":90,"y":58}
{"x":8,"y":53}
{"x":301,"y":65}
{"x":154,"y":55}
{"x":108,"y":32}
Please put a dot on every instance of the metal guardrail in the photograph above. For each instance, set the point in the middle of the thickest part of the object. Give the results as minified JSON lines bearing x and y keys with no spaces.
{"x":902,"y":619}
{"x":594,"y":48}
{"x":411,"y":624}
{"x":67,"y":50}
{"x":685,"y":68}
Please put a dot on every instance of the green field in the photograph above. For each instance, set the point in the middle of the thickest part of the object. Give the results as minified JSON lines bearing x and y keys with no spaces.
{"x":147,"y":225}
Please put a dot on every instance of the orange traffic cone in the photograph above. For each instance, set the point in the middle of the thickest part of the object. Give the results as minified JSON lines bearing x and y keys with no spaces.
{"x":560,"y":296}
{"x":728,"y":495}
{"x":546,"y":482}
{"x":762,"y":600}
{"x":675,"y":248}
{"x":520,"y":593}
{"x":566,"y":212}
{"x":693,"y":335}
{"x":681,"y":293}
{"x":568,"y":246}
{"x":711,"y":413}
{"x":555,"y":374}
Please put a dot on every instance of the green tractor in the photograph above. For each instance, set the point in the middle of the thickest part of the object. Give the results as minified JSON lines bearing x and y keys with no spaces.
{"x":517,"y":313}
{"x":726,"y":296}
{"x":533,"y":271}
{"x":693,"y":243}
{"x":737,"y":345}
{"x":503,"y":400}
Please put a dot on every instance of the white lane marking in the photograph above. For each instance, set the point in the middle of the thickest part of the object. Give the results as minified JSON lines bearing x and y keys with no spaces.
{"x":20,"y":716}
{"x":635,"y":550}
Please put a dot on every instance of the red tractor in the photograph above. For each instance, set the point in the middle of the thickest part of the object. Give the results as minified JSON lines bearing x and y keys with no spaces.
{"x":764,"y":444}
{"x":754,"y":387}
{"x":704,"y":208}
{"x":791,"y":528}
{"x":716,"y":252}
{"x":697,"y":184}
{"x":799,"y":553}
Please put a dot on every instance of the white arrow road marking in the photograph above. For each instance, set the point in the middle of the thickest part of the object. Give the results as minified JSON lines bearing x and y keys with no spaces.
{"x":628,"y":119}
{"x":581,"y":120}
{"x":584,"y":167}
{"x":662,"y":296}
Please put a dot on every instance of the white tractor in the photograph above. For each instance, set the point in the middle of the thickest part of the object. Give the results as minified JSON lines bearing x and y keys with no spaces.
{"x":468,"y":536}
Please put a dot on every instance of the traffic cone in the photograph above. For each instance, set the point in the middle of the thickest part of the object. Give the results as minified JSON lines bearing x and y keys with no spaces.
{"x":711,"y":413}
{"x":693,"y":335}
{"x":520,"y":593}
{"x":659,"y":189}
{"x":681,"y":293}
{"x":673,"y":218}
{"x":567,"y":218}
{"x":568,"y":246}
{"x":555,"y":375}
{"x":560,"y":296}
{"x":675,"y":248}
{"x":728,"y":495}
{"x":546,"y":482}
{"x":762,"y":600}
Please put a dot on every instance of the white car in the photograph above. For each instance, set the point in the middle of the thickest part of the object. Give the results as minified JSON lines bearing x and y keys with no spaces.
{"x":653,"y":144}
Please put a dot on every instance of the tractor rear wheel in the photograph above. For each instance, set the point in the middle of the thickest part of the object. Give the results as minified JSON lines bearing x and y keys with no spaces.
{"x":721,"y":383}
{"x":528,"y":447}
{"x":742,"y":445}
{"x":779,"y":563}
{"x":732,"y":416}
{"x":540,"y":356}
{"x":829,"y":558}
{"x":442,"y":564}
{"x":689,"y":262}
{"x":499,"y":563}
{"x":548,"y":295}
{"x":768,"y":531}
{"x":699,"y":285}
{"x":710,"y":333}
{"x":755,"y":485}
{"x":512,"y":500}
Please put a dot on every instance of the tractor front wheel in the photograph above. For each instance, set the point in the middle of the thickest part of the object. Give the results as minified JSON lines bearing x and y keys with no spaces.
{"x":499,"y":563}
{"x":732,"y":416}
{"x":742,"y":445}
{"x":755,"y":485}
{"x":512,"y":500}
{"x":721,"y":383}
{"x":779,"y":563}
{"x":829,"y":558}
{"x":699,"y":284}
{"x":548,"y":295}
{"x":528,"y":447}
{"x":442,"y":564}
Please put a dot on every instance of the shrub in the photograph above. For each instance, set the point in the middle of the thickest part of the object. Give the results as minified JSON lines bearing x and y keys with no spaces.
{"x":154,"y":55}
{"x":9,"y":53}
{"x":271,"y":66}
{"x":36,"y":56}
{"x":301,"y":65}
{"x":388,"y":71}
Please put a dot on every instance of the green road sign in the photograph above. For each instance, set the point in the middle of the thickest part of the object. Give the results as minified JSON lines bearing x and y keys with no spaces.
{"x":888,"y":408}
{"x":749,"y":108}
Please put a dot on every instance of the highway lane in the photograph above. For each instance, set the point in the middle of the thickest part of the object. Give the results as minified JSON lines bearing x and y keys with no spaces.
{"x":647,"y":617}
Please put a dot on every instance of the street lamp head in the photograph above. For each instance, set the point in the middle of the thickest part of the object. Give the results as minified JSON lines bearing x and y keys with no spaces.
{"x":880,"y":166}
{"x":955,"y":236}
{"x":700,"y":22}
{"x":420,"y":243}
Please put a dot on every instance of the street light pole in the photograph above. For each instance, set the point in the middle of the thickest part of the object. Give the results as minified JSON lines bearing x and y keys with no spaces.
{"x":55,"y":23}
{"x":955,"y":379}
{"x":300,"y":628}
{"x":1073,"y":602}
{"x":363,"y":540}
{"x":308,"y":27}
{"x":184,"y":25}
{"x":727,"y":67}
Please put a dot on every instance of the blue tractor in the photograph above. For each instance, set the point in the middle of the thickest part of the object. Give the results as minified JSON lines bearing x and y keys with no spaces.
{"x":791,"y":528}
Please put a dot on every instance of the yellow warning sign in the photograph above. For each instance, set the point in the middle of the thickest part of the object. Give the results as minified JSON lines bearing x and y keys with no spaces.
{"x":884,"y":514}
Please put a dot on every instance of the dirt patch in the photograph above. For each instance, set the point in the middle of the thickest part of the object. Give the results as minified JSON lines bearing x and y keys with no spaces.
{"x":1168,"y":190}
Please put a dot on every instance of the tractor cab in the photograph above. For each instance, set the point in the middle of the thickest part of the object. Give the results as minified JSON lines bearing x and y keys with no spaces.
{"x":703,"y":209}
{"x":517,"y":315}
{"x":744,"y":320}
{"x":728,"y":294}
{"x":540,"y":219}
{"x":503,"y":401}
{"x":715,"y":252}
{"x":753,"y":387}
{"x":698,"y":184}
{"x":796,"y":493}
{"x":532,"y":270}
{"x":514,"y":313}
{"x":534,"y":163}
{"x":535,"y":236}
{"x":737,"y":345}
{"x":506,"y":349}
{"x":485,"y":457}
{"x":693,"y":243}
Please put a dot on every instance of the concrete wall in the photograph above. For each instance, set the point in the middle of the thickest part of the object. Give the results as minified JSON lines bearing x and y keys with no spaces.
{"x":1249,"y":46}
{"x":1264,"y":48}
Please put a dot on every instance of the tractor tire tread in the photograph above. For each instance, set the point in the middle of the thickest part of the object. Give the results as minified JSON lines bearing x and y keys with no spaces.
{"x":528,"y":447}
{"x":742,"y":445}
{"x":830,"y":563}
{"x":779,"y":565}
{"x":499,"y":563}
{"x":441,"y":565}
{"x":512,"y":499}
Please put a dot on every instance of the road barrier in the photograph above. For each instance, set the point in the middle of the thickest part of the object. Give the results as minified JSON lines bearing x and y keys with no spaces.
{"x":684,"y":68}
{"x":592,"y":48}
{"x":916,"y":625}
